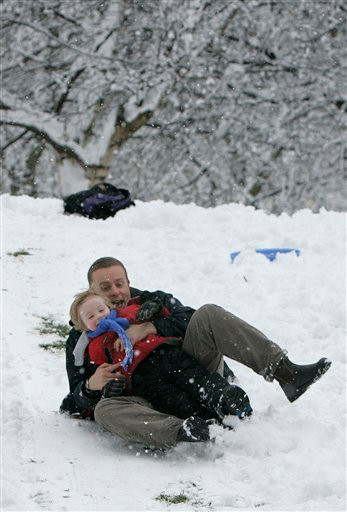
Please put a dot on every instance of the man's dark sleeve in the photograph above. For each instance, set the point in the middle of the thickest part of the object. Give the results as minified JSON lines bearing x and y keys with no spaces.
{"x":176,"y":323}
{"x":78,"y":375}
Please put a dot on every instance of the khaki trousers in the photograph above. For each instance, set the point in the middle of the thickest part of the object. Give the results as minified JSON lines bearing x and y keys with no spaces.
{"x":212,"y":332}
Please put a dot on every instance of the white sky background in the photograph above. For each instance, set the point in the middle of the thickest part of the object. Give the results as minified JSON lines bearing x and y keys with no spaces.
{"x":287,"y":457}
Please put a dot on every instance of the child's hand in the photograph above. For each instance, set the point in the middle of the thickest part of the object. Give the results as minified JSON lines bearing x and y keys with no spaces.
{"x":118,"y":345}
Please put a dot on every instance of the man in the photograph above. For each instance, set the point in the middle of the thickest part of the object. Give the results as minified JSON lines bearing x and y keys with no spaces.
{"x":208,"y":334}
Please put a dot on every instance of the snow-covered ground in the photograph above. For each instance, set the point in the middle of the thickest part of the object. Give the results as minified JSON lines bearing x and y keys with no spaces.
{"x":287,"y":457}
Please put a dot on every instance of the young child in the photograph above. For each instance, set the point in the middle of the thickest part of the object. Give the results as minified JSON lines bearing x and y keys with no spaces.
{"x":156,"y":368}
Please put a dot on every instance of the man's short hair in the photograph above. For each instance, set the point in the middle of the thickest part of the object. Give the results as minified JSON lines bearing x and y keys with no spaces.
{"x":105,"y":262}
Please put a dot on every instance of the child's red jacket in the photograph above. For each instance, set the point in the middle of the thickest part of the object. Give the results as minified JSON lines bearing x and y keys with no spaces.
{"x":96,"y":348}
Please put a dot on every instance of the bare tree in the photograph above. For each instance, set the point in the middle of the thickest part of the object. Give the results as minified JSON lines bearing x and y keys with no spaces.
{"x":184,"y":100}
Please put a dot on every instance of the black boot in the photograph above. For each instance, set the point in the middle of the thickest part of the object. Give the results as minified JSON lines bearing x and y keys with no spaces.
{"x":295,"y":379}
{"x":194,"y":430}
{"x":223,"y":398}
{"x":68,"y":405}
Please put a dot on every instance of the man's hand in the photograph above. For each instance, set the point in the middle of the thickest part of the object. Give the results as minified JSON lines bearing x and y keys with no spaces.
{"x":150,"y":310}
{"x":114,"y":387}
{"x":137,"y":332}
{"x":103,"y":374}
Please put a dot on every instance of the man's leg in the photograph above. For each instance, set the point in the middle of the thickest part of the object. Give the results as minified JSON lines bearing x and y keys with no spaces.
{"x":213,"y":332}
{"x":133,"y":419}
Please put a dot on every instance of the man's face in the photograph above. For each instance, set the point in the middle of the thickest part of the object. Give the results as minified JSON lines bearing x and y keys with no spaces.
{"x":113,"y":284}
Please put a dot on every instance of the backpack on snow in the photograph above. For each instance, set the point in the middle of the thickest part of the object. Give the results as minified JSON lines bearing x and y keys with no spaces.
{"x":99,"y":202}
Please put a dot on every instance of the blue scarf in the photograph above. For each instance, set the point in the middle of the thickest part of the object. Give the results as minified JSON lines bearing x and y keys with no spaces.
{"x":116,"y":324}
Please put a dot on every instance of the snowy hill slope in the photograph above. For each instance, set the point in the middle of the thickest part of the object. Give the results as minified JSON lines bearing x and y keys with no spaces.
{"x":287,"y":457}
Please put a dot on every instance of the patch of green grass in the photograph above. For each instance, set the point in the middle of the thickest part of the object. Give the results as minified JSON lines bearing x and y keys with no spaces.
{"x":190,"y":493}
{"x":51,"y":326}
{"x":55,"y":345}
{"x":174,"y":499}
{"x":20,"y":252}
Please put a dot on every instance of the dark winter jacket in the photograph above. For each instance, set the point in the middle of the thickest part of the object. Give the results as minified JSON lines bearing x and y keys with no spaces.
{"x":173,"y":325}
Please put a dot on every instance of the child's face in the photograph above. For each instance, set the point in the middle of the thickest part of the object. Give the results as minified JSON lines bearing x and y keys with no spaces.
{"x":92,"y":311}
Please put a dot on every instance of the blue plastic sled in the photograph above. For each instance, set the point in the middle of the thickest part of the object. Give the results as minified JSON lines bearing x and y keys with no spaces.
{"x":269,"y":253}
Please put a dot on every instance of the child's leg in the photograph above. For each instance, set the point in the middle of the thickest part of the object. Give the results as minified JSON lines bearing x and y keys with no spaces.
{"x":151,"y":381}
{"x":210,"y":389}
{"x":173,"y":366}
{"x":170,"y":399}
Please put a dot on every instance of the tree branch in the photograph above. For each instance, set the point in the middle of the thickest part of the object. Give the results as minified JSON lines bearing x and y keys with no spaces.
{"x":123,"y":131}
{"x":60,"y":148}
{"x":13,"y":141}
{"x":57,"y":40}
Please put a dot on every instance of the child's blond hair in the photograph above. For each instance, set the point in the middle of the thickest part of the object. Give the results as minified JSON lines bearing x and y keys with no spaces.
{"x":79,"y":300}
